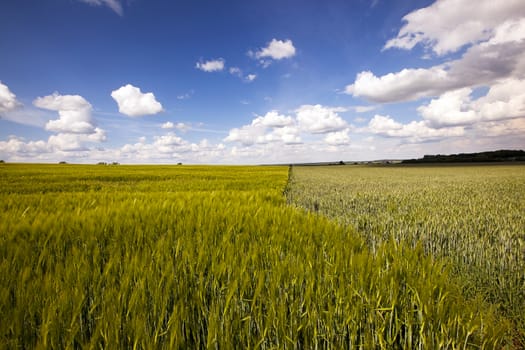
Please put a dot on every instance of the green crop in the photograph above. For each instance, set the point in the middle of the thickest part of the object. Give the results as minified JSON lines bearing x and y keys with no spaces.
{"x":177,"y":257}
{"x":471,"y":216}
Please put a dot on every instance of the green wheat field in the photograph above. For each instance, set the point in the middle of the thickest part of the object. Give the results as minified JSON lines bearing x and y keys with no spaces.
{"x":218,"y":257}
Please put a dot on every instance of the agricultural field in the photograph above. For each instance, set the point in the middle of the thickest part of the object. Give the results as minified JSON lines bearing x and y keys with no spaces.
{"x":177,"y":257}
{"x":471,"y":217}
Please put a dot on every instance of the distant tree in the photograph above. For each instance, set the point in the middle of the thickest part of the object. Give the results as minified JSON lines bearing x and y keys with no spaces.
{"x":102,"y":163}
{"x":2,"y":161}
{"x":179,"y":163}
{"x":341,"y":163}
{"x":115,"y":163}
{"x":62,"y":162}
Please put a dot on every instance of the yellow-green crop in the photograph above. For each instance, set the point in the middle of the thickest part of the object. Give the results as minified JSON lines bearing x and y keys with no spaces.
{"x":177,"y":257}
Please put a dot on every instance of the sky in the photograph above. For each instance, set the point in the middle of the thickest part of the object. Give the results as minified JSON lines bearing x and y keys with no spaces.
{"x":259,"y":82}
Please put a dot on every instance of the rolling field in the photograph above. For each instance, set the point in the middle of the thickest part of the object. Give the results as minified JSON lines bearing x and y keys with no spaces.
{"x":472,"y":217}
{"x":176,"y":257}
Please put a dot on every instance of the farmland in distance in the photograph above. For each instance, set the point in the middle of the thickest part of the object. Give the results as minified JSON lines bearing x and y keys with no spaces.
{"x":163,"y":257}
{"x":469,"y":216}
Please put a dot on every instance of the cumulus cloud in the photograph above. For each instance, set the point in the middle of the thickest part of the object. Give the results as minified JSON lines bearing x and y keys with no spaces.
{"x":75,"y":142}
{"x":211,"y":65}
{"x":73,"y":110}
{"x":132,"y":102}
{"x":415,"y":131}
{"x":310,"y":120}
{"x":57,"y":145}
{"x":318,"y":119}
{"x":496,"y":54}
{"x":171,"y":148}
{"x":115,"y":5}
{"x":274,"y":120}
{"x":481,"y":65}
{"x":8,"y":101}
{"x":451,"y":108}
{"x":408,"y":84}
{"x":251,"y":77}
{"x":504,"y":100}
{"x":180,"y":126}
{"x":272,"y":127}
{"x":275,"y":50}
{"x":75,"y":126}
{"x":502,"y":128}
{"x":18,"y":147}
{"x":447,"y":25}
{"x":338,"y":138}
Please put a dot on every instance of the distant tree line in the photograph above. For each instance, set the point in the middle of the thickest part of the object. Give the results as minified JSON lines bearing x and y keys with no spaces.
{"x":493,"y":156}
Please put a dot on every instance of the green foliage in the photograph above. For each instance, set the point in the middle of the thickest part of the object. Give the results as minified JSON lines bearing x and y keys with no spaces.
{"x":472,"y":216}
{"x":209,"y":257}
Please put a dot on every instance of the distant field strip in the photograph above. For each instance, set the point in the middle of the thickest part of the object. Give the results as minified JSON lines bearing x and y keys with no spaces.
{"x":474,"y":216}
{"x":183,"y":257}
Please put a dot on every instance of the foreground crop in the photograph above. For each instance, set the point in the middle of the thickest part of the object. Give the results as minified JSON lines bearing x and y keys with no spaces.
{"x":208,"y":257}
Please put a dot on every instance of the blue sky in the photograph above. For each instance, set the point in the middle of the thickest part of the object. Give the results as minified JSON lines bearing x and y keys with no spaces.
{"x":249,"y":82}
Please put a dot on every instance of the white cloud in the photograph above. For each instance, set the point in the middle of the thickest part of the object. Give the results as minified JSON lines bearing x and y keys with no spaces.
{"x":310,"y":120}
{"x":405,"y":85}
{"x":277,"y":50}
{"x":494,"y":31}
{"x":480,"y":65}
{"x":274,"y":120}
{"x":180,"y":126}
{"x":272,"y":127}
{"x":364,"y":109}
{"x":504,"y":100}
{"x":168,"y":125}
{"x":18,"y":147}
{"x":75,"y":142}
{"x":318,"y":119}
{"x":73,"y":110}
{"x":75,"y":126}
{"x":115,"y":5}
{"x":165,"y":141}
{"x":8,"y":101}
{"x":211,"y":66}
{"x":415,"y":131}
{"x":248,"y":134}
{"x":447,"y":25}
{"x":503,"y":128}
{"x":132,"y":102}
{"x":338,"y":138}
{"x":251,"y":77}
{"x":451,"y":108}
{"x":287,"y":134}
{"x":235,"y":71}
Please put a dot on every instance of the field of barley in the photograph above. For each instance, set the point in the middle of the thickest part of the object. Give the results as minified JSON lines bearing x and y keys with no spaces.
{"x":177,"y":257}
